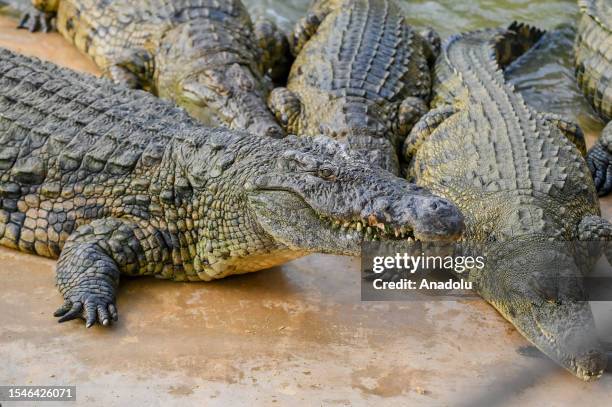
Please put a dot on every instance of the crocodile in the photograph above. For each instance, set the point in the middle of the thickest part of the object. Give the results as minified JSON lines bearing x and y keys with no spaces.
{"x":114,"y":181}
{"x":593,"y":49}
{"x":206,"y":55}
{"x":361,"y":75}
{"x":520,"y":179}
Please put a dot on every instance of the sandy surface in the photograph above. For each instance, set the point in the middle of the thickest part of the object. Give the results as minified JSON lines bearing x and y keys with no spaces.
{"x":297,"y":335}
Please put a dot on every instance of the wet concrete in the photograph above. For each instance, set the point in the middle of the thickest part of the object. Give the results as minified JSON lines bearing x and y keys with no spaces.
{"x":296,"y":334}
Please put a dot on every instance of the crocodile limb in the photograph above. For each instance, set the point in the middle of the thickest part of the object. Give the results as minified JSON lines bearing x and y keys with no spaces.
{"x":276,"y":58}
{"x":116,"y":182}
{"x":525,"y":191}
{"x":599,"y":160}
{"x":39,"y":16}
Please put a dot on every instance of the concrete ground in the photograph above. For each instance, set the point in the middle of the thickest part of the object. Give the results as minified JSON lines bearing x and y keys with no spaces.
{"x":296,"y":334}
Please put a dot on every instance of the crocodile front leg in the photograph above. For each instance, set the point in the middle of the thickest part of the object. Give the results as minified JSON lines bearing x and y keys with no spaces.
{"x":277,"y":56}
{"x":287,"y":108}
{"x":570,"y":130}
{"x":306,"y":27}
{"x":92,"y":260}
{"x":132,"y":68}
{"x":423,"y":129}
{"x":599,"y":159}
{"x":40,"y":16}
{"x":410,"y":111}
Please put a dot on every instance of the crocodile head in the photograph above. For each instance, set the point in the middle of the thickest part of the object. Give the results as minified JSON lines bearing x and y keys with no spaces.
{"x":216,"y":88}
{"x":540,"y":292}
{"x":317,"y":197}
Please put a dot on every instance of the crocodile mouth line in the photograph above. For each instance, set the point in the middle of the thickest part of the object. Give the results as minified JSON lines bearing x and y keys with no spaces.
{"x":371,"y":229}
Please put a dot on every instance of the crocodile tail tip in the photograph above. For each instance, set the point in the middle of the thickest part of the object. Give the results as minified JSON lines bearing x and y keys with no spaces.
{"x":526,"y":32}
{"x":517,"y":39}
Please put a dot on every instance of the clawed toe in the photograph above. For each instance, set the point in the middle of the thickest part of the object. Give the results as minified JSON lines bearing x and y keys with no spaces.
{"x":91,"y":310}
{"x":36,"y":20}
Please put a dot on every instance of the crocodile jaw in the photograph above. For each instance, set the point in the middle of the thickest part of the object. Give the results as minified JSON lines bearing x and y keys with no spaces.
{"x":291,"y":221}
{"x":540,"y":293}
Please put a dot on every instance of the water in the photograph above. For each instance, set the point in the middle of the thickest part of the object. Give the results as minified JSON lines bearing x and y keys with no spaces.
{"x":545,"y":76}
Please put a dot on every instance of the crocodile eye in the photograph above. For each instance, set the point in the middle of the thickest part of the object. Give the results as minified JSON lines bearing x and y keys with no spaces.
{"x":326,"y":172}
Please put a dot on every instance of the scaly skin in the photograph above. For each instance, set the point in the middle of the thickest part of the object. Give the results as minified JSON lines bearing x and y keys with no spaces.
{"x":519,"y":182}
{"x":361,"y":74}
{"x":206,"y":55}
{"x":115,"y":181}
{"x":594,"y":54}
{"x":594,"y":73}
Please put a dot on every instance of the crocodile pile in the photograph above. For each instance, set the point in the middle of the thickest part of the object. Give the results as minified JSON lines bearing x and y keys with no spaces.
{"x":115,"y":181}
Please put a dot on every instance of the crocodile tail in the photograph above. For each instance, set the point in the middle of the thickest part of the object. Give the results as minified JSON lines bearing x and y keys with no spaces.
{"x":513,"y":42}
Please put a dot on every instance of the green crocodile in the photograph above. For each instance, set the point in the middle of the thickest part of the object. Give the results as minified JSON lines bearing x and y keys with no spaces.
{"x":206,"y":55}
{"x":520,"y":179}
{"x":361,"y":74}
{"x":594,"y":73}
{"x":116,"y":181}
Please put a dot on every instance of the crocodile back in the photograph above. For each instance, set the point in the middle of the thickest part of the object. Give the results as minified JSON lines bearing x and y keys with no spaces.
{"x":75,"y":148}
{"x":593,"y":51}
{"x":362,"y":62}
{"x":501,"y":162}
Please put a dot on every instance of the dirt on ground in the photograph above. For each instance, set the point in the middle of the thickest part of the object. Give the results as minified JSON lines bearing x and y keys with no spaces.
{"x":293,"y":335}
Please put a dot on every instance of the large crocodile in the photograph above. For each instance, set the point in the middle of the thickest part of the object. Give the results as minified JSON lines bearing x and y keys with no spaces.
{"x":594,"y":73}
{"x":116,"y":181}
{"x":204,"y":54}
{"x":361,"y":73}
{"x":520,"y":179}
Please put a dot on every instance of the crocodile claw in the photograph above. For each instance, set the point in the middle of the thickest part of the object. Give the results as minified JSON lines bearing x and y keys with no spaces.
{"x":599,"y":161}
{"x":91,"y":309}
{"x":35,"y":20}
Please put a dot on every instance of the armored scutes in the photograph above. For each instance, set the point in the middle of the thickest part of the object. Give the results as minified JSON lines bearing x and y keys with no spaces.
{"x":203,"y":54}
{"x":594,"y":73}
{"x":594,"y":54}
{"x":115,"y":181}
{"x":520,"y":179}
{"x":361,"y":74}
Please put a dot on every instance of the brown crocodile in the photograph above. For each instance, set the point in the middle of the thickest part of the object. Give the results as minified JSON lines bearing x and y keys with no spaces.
{"x":521,"y":181}
{"x":361,"y":74}
{"x":593,"y":49}
{"x":115,"y":181}
{"x":206,"y":55}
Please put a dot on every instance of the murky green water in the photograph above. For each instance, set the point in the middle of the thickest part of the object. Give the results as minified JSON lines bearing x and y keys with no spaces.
{"x":545,"y":76}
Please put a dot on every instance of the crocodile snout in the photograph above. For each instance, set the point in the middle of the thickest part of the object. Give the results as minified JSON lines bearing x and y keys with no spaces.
{"x":437,"y":219}
{"x":428,"y":217}
{"x":591,"y":365}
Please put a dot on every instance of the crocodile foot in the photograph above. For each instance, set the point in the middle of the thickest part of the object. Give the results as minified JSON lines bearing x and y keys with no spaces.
{"x":599,"y":160}
{"x":90,"y":307}
{"x":36,"y":20}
